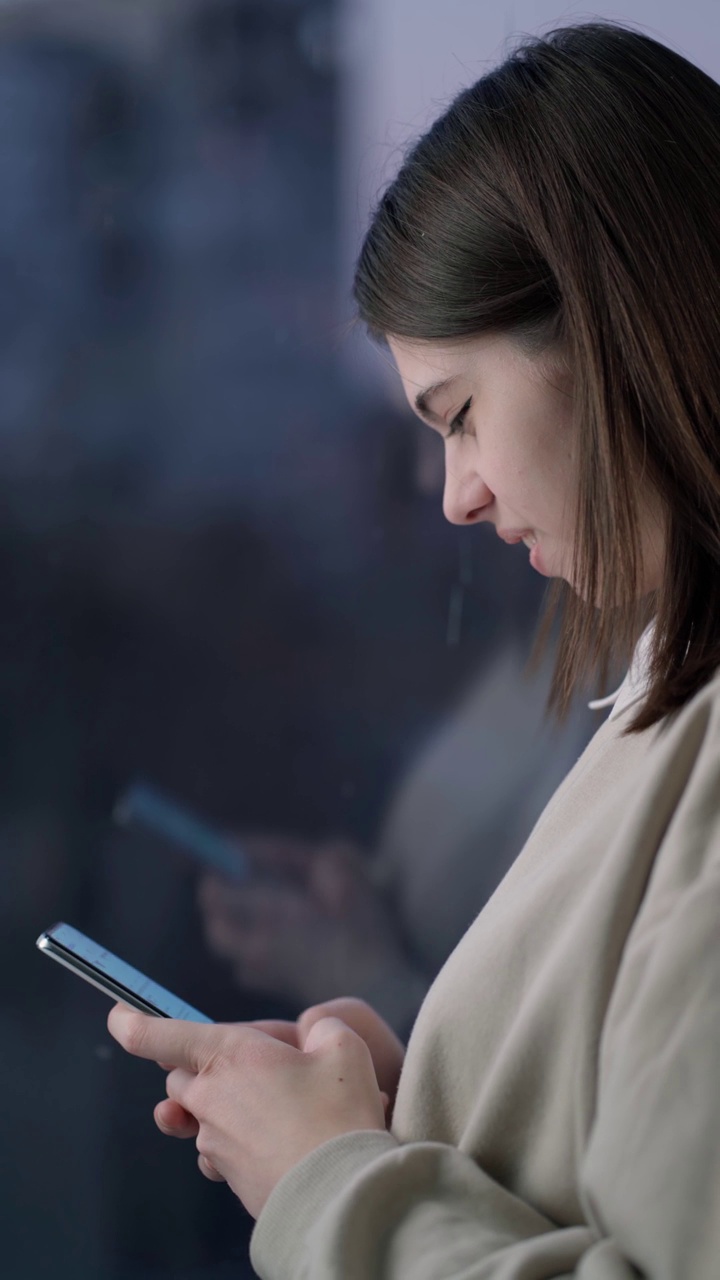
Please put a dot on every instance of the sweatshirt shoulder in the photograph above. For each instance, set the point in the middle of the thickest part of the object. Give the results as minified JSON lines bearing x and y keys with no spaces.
{"x":686,"y":776}
{"x":695,"y":727}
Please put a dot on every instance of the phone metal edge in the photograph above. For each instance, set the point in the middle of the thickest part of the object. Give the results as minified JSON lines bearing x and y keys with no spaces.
{"x":58,"y":952}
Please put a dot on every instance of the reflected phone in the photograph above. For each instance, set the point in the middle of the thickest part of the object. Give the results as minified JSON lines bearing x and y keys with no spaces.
{"x":113,"y":976}
{"x":145,"y":806}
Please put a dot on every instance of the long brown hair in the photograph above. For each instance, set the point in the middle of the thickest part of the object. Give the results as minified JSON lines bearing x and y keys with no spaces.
{"x":571,"y":198}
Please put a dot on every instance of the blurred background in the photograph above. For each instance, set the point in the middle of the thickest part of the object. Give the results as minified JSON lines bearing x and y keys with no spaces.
{"x":224,"y":570}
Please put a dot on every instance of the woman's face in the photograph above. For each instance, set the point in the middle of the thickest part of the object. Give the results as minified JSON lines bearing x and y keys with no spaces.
{"x":507,"y":423}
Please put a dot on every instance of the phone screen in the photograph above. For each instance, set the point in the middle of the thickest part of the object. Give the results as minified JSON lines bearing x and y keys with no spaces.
{"x":112,"y":975}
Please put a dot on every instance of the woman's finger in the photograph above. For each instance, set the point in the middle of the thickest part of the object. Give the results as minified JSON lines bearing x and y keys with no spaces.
{"x":174,"y":1121}
{"x":185,"y":1044}
{"x":177,"y":1084}
{"x":279,"y":1030}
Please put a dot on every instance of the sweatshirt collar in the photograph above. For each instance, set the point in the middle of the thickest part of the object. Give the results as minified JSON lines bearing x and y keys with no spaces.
{"x":636,"y":682}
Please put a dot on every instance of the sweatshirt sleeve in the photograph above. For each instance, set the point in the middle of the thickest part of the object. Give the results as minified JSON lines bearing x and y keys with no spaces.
{"x":364,"y":1207}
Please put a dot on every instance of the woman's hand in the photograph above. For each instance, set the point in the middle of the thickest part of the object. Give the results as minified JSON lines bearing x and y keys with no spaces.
{"x":386,"y":1049}
{"x":256,"y":1104}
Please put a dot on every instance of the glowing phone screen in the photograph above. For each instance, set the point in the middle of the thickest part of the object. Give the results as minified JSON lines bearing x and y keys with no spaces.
{"x":105,"y":964}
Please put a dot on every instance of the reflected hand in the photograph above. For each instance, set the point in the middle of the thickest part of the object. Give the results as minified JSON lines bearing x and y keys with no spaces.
{"x":315,"y":927}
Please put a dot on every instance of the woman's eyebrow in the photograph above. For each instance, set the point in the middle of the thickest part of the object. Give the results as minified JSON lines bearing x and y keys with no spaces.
{"x":423,"y":398}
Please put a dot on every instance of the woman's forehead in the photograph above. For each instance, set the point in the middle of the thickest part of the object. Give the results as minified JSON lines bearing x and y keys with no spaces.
{"x":427,"y":363}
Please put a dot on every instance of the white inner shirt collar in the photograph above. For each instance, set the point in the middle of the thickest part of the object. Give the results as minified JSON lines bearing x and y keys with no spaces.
{"x":634,"y":686}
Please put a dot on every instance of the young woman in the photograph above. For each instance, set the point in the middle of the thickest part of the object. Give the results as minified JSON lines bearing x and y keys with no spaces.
{"x":546,"y":272}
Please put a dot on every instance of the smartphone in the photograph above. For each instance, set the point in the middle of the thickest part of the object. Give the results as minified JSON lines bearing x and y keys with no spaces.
{"x":145,"y":806}
{"x":113,"y":976}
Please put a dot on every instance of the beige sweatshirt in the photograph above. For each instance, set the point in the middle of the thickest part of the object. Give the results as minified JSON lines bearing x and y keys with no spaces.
{"x":559,"y":1109}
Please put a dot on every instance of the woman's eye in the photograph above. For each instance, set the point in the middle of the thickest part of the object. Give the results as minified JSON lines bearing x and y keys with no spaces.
{"x":458,"y":421}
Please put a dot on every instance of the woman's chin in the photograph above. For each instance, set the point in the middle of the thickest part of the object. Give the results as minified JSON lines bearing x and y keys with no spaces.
{"x":538,"y":562}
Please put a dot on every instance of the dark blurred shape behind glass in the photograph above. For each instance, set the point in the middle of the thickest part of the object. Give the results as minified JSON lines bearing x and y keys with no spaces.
{"x":217,"y":570}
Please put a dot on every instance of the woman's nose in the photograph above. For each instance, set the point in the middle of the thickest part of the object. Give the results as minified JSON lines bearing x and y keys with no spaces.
{"x":465,"y":495}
